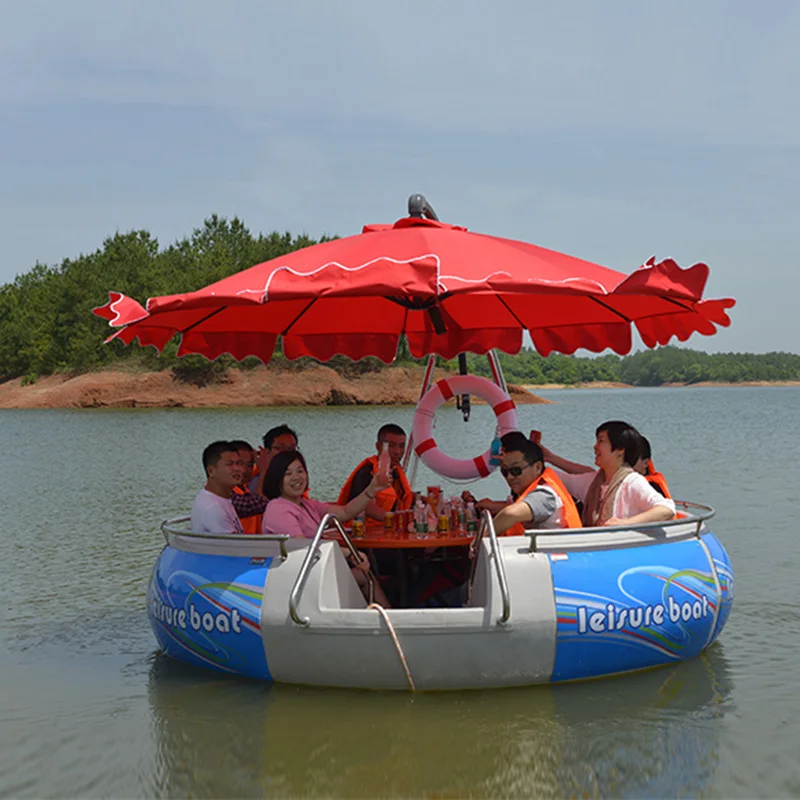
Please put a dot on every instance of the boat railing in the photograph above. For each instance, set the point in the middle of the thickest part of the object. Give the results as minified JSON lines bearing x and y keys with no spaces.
{"x":690,"y":514}
{"x":495,"y":555}
{"x":177,"y":527}
{"x":312,"y":555}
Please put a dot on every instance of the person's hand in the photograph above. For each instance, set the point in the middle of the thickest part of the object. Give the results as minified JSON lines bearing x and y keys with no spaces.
{"x":536,"y":437}
{"x":483,"y":504}
{"x":380,"y":480}
{"x":611,"y":521}
{"x":360,"y":562}
{"x":262,"y":459}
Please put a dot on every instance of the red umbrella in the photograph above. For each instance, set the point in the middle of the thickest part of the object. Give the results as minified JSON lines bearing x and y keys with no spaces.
{"x":447,"y":289}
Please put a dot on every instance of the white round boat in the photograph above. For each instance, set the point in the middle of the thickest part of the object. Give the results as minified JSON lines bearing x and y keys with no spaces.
{"x":549,"y":606}
{"x":544,"y":607}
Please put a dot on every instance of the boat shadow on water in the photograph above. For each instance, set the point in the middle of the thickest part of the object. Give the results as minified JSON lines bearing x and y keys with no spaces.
{"x":654,"y":733}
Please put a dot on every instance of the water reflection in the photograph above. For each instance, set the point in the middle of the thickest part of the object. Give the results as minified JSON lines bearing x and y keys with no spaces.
{"x":650,"y":734}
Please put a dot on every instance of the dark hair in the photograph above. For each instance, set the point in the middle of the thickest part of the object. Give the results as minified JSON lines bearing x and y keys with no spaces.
{"x":273,"y":433}
{"x":273,"y":479}
{"x":513,"y":440}
{"x":531,"y":451}
{"x":213,"y":453}
{"x":241,"y":444}
{"x":644,"y":448}
{"x":622,"y":436}
{"x":390,"y":427}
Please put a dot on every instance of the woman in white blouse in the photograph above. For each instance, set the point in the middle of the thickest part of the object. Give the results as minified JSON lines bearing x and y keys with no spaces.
{"x":614,"y":494}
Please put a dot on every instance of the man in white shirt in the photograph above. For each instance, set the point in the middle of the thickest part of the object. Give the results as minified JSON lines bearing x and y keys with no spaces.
{"x":213,"y":511}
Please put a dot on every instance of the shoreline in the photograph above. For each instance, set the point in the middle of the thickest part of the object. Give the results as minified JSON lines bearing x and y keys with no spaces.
{"x":254,"y":388}
{"x":269,"y":386}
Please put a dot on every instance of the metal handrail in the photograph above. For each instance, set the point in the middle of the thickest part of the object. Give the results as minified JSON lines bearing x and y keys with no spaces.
{"x":168,"y":528}
{"x":499,"y":567}
{"x":706,"y":513}
{"x":488,"y":524}
{"x":312,"y":555}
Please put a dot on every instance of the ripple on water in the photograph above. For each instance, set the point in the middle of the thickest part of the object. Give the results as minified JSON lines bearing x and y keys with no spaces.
{"x":87,"y":711}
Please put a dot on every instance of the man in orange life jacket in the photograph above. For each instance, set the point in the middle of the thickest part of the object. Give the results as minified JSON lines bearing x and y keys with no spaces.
{"x":395,"y":496}
{"x":509,"y":443}
{"x":249,"y":504}
{"x":644,"y":466}
{"x":540,"y":499}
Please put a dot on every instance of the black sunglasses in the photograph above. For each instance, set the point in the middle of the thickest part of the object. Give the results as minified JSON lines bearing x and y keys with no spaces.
{"x":514,"y":472}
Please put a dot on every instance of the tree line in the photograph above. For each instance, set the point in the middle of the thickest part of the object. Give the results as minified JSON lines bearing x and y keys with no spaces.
{"x":664,"y":365}
{"x":46,"y":324}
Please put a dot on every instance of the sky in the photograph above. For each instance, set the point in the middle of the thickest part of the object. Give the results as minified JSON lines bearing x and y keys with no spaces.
{"x":612,"y":131}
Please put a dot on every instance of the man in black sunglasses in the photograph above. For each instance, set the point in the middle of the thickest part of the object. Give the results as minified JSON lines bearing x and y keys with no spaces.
{"x":540,"y":498}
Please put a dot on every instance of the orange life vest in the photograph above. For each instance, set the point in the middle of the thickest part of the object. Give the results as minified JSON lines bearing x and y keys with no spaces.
{"x":572,"y":519}
{"x":657,"y":479}
{"x":388,"y":498}
{"x":251,"y":524}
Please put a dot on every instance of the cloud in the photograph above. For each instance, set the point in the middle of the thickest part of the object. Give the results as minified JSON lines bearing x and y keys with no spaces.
{"x":680,"y":72}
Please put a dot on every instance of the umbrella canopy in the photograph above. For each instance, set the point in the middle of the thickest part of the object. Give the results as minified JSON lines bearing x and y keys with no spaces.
{"x":446,"y":289}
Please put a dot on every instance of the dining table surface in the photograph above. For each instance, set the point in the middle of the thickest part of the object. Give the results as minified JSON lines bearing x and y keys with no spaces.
{"x":376,"y":537}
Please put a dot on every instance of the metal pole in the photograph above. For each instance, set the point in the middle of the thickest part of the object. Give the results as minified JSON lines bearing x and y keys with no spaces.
{"x":497,"y":370}
{"x":409,"y":454}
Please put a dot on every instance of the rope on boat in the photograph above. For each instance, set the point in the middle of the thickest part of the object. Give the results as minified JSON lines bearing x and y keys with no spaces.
{"x":382,"y":611}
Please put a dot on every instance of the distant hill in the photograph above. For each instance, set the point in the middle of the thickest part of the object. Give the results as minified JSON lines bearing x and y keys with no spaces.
{"x":46,"y":324}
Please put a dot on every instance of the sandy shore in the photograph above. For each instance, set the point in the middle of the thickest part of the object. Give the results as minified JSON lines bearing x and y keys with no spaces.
{"x":595,"y":385}
{"x":263,"y":386}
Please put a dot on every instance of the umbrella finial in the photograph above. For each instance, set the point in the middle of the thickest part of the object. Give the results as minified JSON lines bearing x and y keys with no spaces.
{"x":418,"y":206}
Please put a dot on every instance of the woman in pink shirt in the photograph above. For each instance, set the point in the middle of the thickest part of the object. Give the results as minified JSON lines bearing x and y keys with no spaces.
{"x":288,"y":512}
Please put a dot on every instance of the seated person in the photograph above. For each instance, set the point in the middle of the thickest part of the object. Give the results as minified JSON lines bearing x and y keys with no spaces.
{"x":509,"y":441}
{"x":614,"y":494}
{"x":289,"y":512}
{"x":275,"y":440}
{"x":395,"y":495}
{"x":249,"y":504}
{"x":644,"y":466}
{"x":213,"y":511}
{"x":540,"y":499}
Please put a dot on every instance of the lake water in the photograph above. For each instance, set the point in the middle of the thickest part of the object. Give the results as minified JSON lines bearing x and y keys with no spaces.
{"x":89,"y":709}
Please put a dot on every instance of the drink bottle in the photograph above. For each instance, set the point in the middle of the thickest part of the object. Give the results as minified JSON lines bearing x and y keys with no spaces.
{"x":384,"y":461}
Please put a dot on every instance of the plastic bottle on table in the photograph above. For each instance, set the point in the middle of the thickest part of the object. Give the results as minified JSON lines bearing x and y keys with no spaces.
{"x":462,"y":516}
{"x":443,"y":516}
{"x":455,"y":513}
{"x":472,"y":518}
{"x":421,"y":518}
{"x":431,"y":519}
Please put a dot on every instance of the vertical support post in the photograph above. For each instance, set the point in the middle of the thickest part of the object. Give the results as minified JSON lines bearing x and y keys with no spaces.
{"x":410,"y":454}
{"x":497,"y":370}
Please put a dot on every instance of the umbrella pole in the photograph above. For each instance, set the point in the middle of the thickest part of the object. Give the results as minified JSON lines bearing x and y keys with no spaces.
{"x":426,"y":384}
{"x":497,"y":370}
